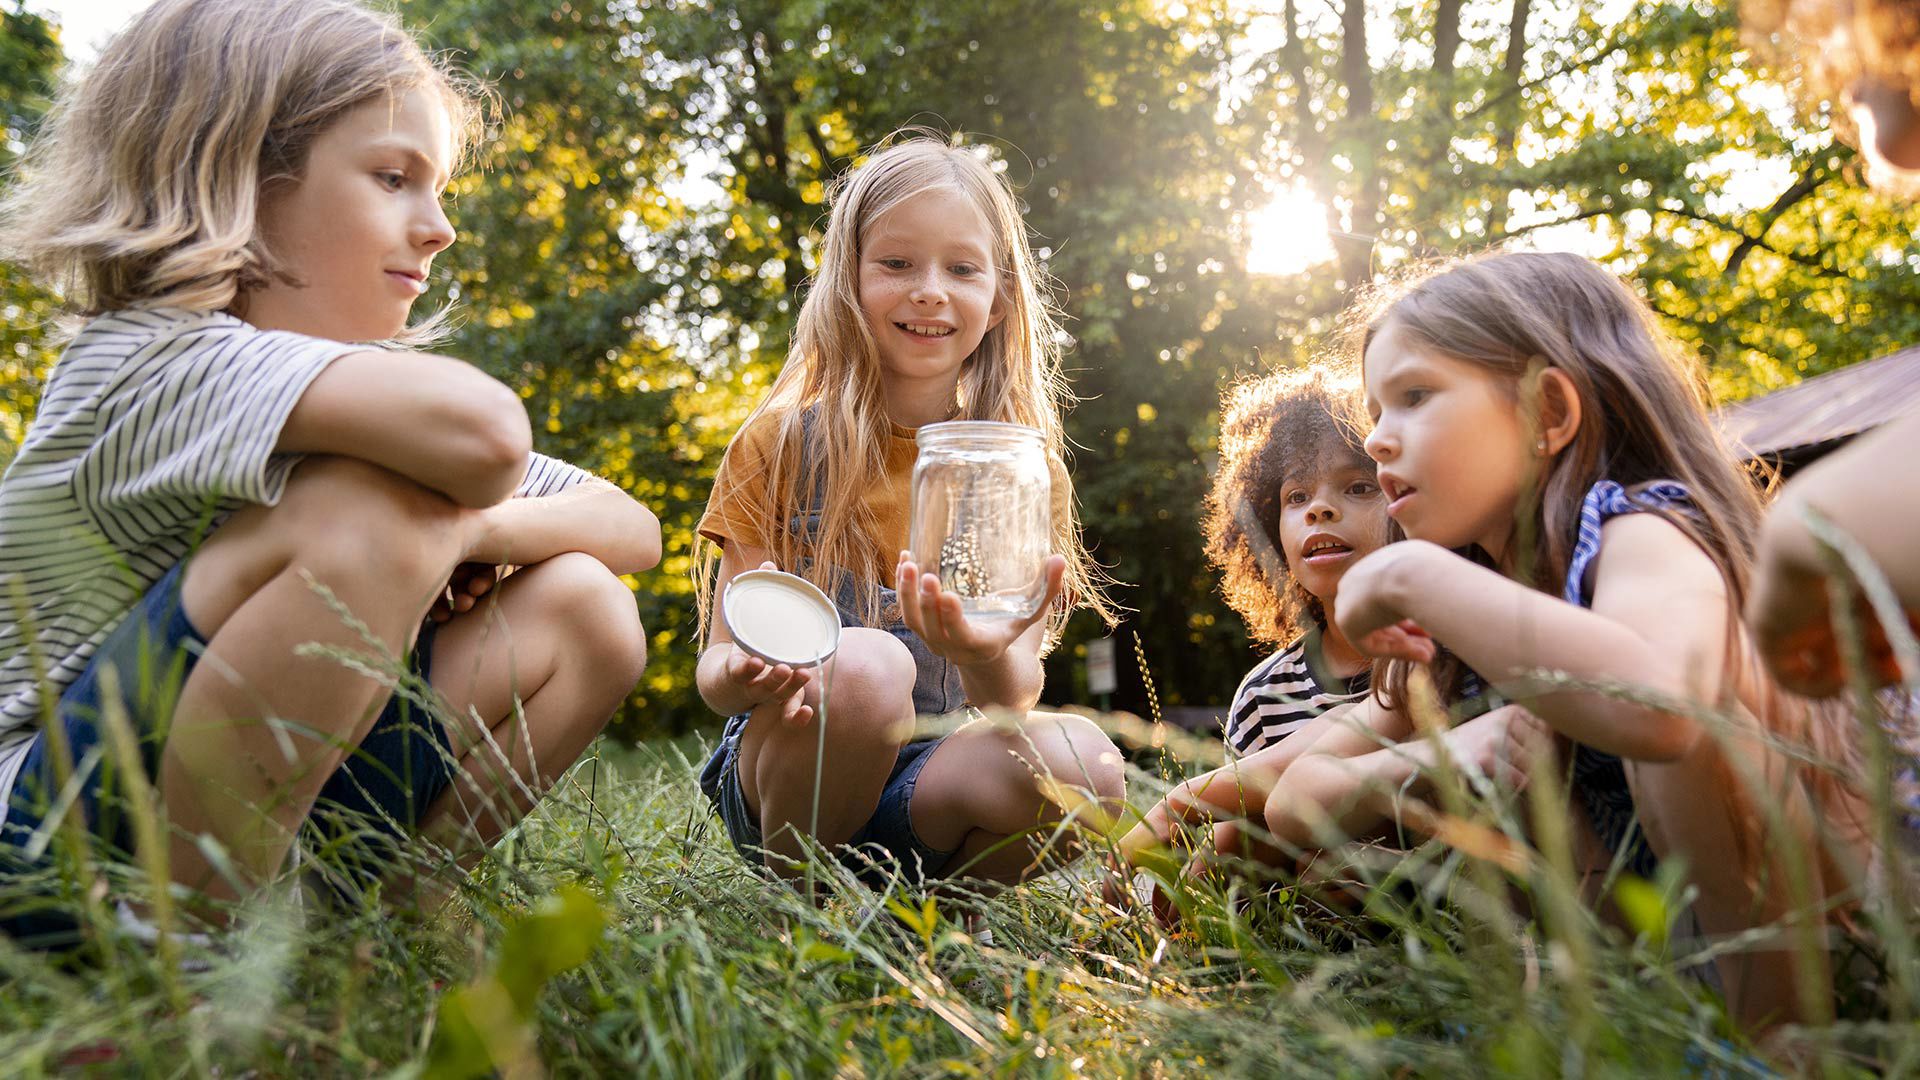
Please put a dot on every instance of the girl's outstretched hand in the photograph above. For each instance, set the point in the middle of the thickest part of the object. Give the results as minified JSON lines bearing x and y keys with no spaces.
{"x":1368,"y":609}
{"x":935,"y":614}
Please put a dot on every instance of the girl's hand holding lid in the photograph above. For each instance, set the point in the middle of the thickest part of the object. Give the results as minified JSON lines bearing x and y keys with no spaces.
{"x":762,"y":682}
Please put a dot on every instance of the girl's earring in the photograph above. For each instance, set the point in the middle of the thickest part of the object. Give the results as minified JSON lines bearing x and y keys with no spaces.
{"x":1541,"y":446}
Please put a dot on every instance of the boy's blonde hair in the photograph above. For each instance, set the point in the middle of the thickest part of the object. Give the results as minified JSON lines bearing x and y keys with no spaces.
{"x":833,"y":367}
{"x":144,"y":186}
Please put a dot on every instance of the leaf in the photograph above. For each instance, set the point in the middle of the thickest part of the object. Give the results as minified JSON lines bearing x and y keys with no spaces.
{"x":1645,"y":908}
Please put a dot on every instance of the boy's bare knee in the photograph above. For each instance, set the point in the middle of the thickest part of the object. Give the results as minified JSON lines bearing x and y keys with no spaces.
{"x":342,"y":516}
{"x":596,"y":612}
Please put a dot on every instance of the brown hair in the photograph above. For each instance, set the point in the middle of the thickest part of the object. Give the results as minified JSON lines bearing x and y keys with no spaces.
{"x":1644,"y":418}
{"x":143,"y":188}
{"x":1274,"y":428}
{"x":833,"y":366}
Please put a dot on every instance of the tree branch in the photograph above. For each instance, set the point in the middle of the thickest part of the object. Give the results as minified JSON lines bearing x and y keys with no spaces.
{"x":1809,"y":182}
{"x":1811,"y":262}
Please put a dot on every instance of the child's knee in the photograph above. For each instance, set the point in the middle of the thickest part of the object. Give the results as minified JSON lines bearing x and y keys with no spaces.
{"x":595,"y":611}
{"x":341,"y":515}
{"x":1073,"y":750}
{"x":869,"y":685}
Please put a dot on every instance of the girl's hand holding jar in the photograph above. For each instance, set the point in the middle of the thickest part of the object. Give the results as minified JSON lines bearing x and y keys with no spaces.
{"x":937,"y":615}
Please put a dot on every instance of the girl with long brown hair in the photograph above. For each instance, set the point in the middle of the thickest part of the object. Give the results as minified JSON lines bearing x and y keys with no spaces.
{"x":1580,"y":541}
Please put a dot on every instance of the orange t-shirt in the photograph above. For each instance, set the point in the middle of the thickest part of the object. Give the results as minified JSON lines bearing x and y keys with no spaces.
{"x":729,"y":516}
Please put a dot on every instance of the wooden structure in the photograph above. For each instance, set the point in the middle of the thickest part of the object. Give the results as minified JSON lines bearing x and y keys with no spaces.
{"x":1794,"y":426}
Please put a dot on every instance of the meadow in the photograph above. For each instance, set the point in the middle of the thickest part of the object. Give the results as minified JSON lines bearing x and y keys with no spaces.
{"x":616,"y":933}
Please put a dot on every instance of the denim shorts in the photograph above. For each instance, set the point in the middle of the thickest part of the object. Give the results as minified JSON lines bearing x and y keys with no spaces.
{"x":886,"y":838}
{"x":402,"y":765}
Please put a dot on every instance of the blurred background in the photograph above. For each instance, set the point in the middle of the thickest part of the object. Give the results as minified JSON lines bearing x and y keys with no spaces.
{"x":1209,"y":183}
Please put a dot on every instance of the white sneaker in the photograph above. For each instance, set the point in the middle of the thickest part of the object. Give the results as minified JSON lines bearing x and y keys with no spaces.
{"x":139,"y":929}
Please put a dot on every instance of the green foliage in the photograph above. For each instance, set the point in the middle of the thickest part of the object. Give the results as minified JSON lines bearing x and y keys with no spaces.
{"x":29,"y":57}
{"x":488,"y":1024}
{"x":705,"y":968}
{"x":637,"y":231}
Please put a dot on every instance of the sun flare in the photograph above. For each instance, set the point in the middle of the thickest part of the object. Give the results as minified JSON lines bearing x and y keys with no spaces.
{"x":1288,"y":235}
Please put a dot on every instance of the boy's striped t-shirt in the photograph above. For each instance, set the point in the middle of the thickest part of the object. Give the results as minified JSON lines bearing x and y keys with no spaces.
{"x":1283,"y":692}
{"x":154,"y":426}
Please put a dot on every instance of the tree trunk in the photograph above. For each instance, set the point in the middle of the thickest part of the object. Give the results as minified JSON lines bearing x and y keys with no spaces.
{"x":1512,"y":67}
{"x":1355,"y":244}
{"x":1446,"y":38}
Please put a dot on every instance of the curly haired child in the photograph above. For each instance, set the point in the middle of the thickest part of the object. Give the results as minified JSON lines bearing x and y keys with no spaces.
{"x":1294,"y":504}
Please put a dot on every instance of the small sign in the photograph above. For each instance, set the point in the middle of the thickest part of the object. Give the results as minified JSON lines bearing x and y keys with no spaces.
{"x":1100,"y":678}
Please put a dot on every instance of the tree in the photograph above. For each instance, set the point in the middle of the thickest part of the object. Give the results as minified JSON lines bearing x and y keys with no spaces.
{"x":29,"y":59}
{"x":641,"y":223}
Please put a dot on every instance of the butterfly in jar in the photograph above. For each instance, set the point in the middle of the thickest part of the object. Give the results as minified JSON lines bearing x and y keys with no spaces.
{"x":962,"y":570}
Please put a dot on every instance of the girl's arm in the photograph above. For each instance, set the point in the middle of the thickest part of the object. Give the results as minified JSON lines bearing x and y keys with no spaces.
{"x":1350,"y":785}
{"x":999,"y":662}
{"x":593,"y":517}
{"x":731,"y":681}
{"x":1238,"y":789}
{"x":1658,"y":623}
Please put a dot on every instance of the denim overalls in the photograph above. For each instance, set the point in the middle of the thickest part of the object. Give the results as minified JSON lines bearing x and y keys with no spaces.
{"x":937,"y":689}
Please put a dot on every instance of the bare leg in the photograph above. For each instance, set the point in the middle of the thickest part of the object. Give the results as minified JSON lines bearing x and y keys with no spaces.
{"x":983,"y":785}
{"x":869,"y":717}
{"x":258,"y":729}
{"x":1692,"y":809}
{"x":563,"y":638}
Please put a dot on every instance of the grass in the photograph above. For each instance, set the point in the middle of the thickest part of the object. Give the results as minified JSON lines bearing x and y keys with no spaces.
{"x":699,"y":967}
{"x":615,"y":932}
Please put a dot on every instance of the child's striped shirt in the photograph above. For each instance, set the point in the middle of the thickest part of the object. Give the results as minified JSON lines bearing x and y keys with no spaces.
{"x":155,"y":425}
{"x":1284,"y":691}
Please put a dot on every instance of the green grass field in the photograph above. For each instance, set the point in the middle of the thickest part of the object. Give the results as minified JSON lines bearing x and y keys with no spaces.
{"x":616,"y":933}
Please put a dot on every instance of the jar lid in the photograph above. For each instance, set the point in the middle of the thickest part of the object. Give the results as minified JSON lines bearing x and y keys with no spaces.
{"x":978,"y":431}
{"x":780,"y":618}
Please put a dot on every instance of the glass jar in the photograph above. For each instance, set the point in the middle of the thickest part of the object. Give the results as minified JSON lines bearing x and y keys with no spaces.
{"x":983,"y":515}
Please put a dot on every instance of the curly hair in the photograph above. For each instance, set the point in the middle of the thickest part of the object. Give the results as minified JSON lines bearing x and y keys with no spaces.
{"x":1273,"y":428}
{"x":1831,"y":45}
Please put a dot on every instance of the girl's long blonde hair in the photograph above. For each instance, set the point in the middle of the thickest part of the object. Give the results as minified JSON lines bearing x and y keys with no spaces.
{"x":143,"y":187}
{"x":833,"y":371}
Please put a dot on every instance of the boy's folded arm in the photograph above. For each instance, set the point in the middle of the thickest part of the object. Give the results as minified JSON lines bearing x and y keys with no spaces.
{"x":440,"y":422}
{"x":593,"y":517}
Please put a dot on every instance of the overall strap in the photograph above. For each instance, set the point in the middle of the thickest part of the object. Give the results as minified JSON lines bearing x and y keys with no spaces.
{"x":809,"y":418}
{"x":1600,"y":780}
{"x":1608,"y":499}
